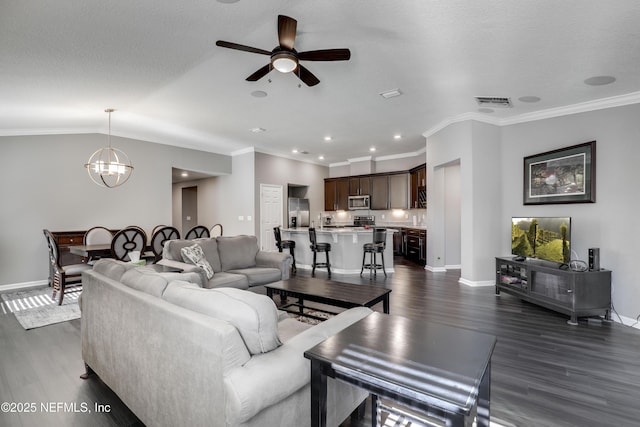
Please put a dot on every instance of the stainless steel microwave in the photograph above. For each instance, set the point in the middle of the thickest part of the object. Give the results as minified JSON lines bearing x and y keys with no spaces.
{"x":358,"y":202}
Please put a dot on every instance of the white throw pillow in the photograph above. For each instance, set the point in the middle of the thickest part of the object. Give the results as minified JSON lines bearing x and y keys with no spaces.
{"x":195,"y":255}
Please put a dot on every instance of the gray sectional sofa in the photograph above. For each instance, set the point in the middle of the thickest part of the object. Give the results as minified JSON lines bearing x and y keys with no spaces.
{"x":236,"y":260}
{"x":180,"y":354}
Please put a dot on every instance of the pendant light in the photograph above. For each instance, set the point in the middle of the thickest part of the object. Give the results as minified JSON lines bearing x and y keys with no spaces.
{"x":109,"y":167}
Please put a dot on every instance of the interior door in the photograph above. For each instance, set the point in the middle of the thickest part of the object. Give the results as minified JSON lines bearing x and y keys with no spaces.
{"x":271,"y":215}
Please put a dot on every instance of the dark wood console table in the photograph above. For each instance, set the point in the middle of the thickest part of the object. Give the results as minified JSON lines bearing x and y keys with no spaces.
{"x":439,"y":370}
{"x":575,"y":293}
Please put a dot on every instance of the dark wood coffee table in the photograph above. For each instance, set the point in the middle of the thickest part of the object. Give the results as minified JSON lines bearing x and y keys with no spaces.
{"x":337,"y":294}
{"x":438,"y":370}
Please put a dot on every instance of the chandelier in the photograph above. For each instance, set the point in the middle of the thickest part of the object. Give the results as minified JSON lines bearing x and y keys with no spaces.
{"x":109,"y":167}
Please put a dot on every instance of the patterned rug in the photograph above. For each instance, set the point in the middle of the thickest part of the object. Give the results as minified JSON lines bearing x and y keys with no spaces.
{"x":35,"y":308}
{"x":310,"y":320}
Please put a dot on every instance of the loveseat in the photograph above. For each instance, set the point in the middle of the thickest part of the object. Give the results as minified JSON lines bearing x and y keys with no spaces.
{"x":236,"y":261}
{"x":179,"y":354}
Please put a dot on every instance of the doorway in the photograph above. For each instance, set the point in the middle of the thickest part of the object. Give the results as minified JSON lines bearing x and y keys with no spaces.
{"x":189,"y":208}
{"x":270,"y":214}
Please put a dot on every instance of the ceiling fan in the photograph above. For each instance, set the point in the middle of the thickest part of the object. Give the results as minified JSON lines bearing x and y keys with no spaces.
{"x":285,"y":58}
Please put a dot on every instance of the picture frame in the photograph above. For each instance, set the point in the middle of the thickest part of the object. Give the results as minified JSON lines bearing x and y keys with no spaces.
{"x":565,"y":175}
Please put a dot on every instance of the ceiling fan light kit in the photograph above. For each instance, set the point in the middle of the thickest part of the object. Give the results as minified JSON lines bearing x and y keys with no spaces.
{"x":285,"y":58}
{"x":285,"y":62}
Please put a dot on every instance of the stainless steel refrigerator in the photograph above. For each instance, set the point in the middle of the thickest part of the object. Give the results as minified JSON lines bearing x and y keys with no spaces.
{"x":298,"y":209}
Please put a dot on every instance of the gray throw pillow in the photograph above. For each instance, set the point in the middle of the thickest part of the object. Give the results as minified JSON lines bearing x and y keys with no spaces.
{"x":195,"y":255}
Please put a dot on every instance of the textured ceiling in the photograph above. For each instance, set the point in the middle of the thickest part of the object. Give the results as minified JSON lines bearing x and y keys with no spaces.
{"x":62,"y":63}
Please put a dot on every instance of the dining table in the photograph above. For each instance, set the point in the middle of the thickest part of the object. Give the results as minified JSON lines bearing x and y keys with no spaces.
{"x":92,"y":251}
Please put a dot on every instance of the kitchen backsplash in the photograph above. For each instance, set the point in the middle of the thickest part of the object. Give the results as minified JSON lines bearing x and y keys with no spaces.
{"x":395,"y":217}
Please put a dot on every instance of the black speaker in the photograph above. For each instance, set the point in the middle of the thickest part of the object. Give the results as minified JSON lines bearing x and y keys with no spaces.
{"x":594,"y":258}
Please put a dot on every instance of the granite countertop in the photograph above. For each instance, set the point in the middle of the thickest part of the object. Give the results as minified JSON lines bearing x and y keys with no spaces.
{"x":334,"y":229}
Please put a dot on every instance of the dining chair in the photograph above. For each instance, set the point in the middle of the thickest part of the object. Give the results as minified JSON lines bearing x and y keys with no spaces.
{"x":61,"y":276}
{"x":215,"y":231}
{"x":196,"y":232}
{"x":160,"y":236}
{"x":128,"y":239}
{"x":97,"y":236}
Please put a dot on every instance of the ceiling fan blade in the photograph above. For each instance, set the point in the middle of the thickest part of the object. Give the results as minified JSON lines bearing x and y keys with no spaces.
{"x":325,"y":55}
{"x":287,"y":31}
{"x":260,"y":73}
{"x":241,"y":47}
{"x":306,"y":76}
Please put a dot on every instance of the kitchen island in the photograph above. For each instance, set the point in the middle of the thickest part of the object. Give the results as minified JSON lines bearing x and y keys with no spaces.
{"x":346,"y":248}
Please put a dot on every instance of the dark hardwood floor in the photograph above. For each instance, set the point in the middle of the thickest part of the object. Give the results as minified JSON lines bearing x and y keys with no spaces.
{"x":544,"y":371}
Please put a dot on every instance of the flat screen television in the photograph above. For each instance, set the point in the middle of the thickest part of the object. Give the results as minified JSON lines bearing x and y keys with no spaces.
{"x":546,"y":238}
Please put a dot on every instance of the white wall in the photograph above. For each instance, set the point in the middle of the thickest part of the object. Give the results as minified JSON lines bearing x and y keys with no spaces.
{"x":611,"y":223}
{"x":475,"y":147}
{"x":452,"y":212}
{"x":210,"y":210}
{"x":236,"y":197}
{"x":491,"y":175}
{"x":377,"y":166}
{"x":280,"y":171}
{"x":43,"y":184}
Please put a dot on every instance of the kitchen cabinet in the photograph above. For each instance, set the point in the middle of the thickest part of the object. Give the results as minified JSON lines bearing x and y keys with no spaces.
{"x":416,"y":245}
{"x":399,"y":191}
{"x":336,"y":194}
{"x":419,"y":187}
{"x":380,"y":192}
{"x":359,"y":186}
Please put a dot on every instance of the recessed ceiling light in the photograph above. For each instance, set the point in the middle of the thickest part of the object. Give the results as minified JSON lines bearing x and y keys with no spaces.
{"x":184,"y":174}
{"x":320,"y":157}
{"x":258,"y":94}
{"x":529,"y":99}
{"x":327,"y":138}
{"x":397,"y":136}
{"x":485,"y":110}
{"x":599,"y":80}
{"x":391,"y":93}
{"x":258,"y":130}
{"x":372,"y":149}
{"x":294,"y":151}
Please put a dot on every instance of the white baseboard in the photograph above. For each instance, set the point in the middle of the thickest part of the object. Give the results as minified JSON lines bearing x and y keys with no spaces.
{"x":626,"y":321}
{"x":477,"y":283}
{"x":453,"y":267}
{"x":23,"y":285}
{"x":435,"y":269}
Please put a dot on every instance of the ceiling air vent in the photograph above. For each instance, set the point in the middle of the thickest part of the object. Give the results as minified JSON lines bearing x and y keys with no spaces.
{"x":493,"y":101}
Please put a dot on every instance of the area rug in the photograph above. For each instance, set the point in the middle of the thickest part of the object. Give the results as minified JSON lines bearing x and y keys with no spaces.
{"x":35,"y":308}
{"x":311,"y":320}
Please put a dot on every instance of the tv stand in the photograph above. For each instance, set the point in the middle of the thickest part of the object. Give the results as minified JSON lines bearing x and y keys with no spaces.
{"x":575,"y":293}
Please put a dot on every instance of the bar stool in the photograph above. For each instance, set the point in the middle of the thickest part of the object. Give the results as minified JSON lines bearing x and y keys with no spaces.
{"x":319,"y":247}
{"x":377,"y":246}
{"x":284,"y":244}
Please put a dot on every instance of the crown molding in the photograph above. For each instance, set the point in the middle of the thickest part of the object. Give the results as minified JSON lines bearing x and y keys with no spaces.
{"x":243,"y":151}
{"x":582,"y":107}
{"x":28,"y":132}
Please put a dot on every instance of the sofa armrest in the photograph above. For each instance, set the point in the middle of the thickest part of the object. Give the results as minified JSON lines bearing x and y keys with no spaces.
{"x":278,"y":260}
{"x":271,"y":377}
{"x":187,"y":268}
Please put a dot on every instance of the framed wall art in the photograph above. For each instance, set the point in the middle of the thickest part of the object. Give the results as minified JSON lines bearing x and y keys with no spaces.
{"x":566,"y":175}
